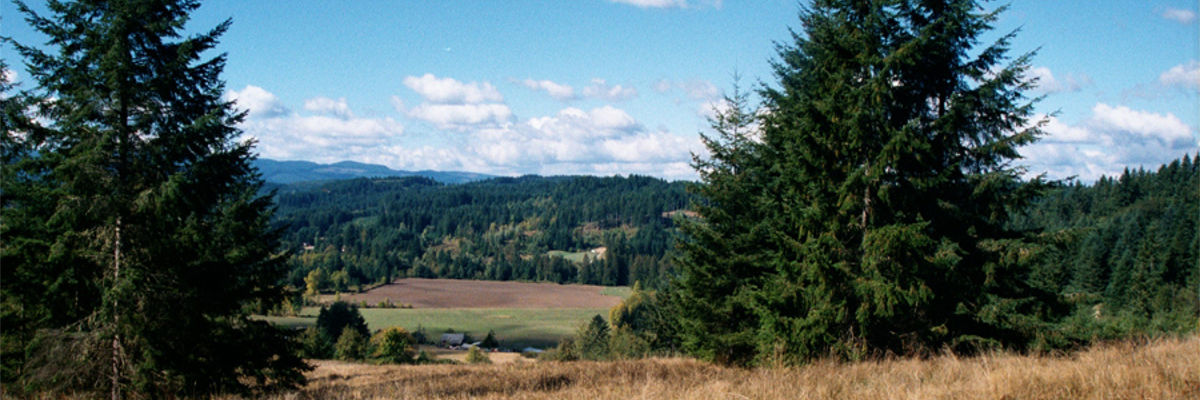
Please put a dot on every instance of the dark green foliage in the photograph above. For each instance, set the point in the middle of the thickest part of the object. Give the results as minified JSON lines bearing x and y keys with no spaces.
{"x":864,"y":213}
{"x":366,"y":231}
{"x":1127,"y":257}
{"x":339,"y":316}
{"x":592,"y":339}
{"x":490,"y":341}
{"x":566,"y":350}
{"x":314,"y":344}
{"x":136,"y":242}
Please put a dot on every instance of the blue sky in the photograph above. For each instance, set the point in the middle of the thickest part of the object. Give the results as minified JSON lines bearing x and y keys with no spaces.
{"x":623,"y":87}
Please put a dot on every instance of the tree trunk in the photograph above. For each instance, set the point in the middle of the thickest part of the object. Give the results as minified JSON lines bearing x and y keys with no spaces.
{"x":116,"y":341}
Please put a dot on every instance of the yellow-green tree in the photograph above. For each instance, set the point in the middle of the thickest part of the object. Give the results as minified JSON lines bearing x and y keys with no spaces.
{"x":393,"y":345}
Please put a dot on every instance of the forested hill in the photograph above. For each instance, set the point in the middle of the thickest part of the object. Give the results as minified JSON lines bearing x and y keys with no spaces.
{"x":287,"y":172}
{"x":611,"y":231}
{"x":1126,"y":252}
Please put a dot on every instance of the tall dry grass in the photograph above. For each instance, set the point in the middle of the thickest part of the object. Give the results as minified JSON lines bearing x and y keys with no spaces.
{"x":1161,"y":369}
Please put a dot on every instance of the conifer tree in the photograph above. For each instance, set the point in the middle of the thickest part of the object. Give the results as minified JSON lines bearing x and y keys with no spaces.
{"x":136,"y":241}
{"x":868,"y":215}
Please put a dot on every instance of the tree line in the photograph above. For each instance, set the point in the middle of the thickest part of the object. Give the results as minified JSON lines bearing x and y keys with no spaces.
{"x":349,"y":234}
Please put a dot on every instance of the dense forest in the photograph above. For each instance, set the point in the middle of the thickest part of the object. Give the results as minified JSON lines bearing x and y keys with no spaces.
{"x":1123,"y":250}
{"x":610,"y":231}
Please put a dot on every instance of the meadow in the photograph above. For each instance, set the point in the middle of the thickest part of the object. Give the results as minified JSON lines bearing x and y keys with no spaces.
{"x":521,"y":313}
{"x":1158,"y":369}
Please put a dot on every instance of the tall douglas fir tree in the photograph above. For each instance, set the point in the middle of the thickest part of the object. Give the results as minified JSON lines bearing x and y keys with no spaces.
{"x":135,"y":240}
{"x":865,"y":213}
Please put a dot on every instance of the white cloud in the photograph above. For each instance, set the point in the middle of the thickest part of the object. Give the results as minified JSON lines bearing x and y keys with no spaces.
{"x":556,"y":90}
{"x":10,"y":76}
{"x":328,"y":106}
{"x":600,"y":141}
{"x":695,"y":89}
{"x":258,"y":101}
{"x":1048,"y":83}
{"x":451,"y":104}
{"x":600,"y":89}
{"x":333,"y":134}
{"x":451,"y":91}
{"x":461,"y":116}
{"x":654,"y":3}
{"x":1112,"y":139}
{"x":1183,"y":75}
{"x":1179,"y":15}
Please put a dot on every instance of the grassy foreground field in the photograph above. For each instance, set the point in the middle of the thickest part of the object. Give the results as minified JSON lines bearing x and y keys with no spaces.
{"x":1163,"y":369}
{"x":515,"y":327}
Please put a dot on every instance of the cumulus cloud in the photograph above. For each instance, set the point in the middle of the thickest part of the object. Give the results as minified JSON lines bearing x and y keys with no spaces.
{"x":556,"y":90}
{"x":330,"y":133}
{"x":258,"y":101}
{"x":10,"y":76}
{"x":450,"y":104}
{"x":328,"y":106}
{"x":1179,"y":15}
{"x":600,"y":141}
{"x":1186,"y":76}
{"x":1048,"y":83}
{"x":461,"y":116}
{"x":451,"y":91}
{"x":1110,"y":140}
{"x":600,"y":89}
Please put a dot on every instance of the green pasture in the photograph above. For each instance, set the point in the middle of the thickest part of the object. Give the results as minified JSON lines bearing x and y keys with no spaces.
{"x":514,"y":327}
{"x":576,"y":256}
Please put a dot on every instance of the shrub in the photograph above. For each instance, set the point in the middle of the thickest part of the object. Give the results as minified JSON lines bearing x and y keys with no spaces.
{"x":565,"y":351}
{"x":393,"y":345}
{"x":593,"y":337}
{"x":351,"y":345}
{"x":424,"y":358}
{"x":477,"y":356}
{"x":314,"y":344}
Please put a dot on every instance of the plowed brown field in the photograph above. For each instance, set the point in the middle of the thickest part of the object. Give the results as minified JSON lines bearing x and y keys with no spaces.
{"x":452,"y":293}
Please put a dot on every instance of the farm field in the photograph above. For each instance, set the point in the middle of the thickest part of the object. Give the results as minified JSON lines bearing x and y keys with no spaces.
{"x":522,"y":314}
{"x":1162,"y":369}
{"x":452,"y":293}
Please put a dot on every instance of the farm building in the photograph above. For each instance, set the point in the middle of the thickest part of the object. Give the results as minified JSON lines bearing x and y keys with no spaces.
{"x":452,"y":339}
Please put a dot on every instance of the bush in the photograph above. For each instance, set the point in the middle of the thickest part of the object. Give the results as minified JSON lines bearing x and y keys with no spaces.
{"x":625,"y":344}
{"x":393,"y":345}
{"x":477,"y":356}
{"x":314,"y":344}
{"x":593,"y":337}
{"x":424,"y":358}
{"x":565,"y":351}
{"x":338,"y":316}
{"x":351,"y":345}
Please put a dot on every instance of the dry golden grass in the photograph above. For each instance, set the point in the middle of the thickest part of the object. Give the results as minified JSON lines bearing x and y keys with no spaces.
{"x":1163,"y":369}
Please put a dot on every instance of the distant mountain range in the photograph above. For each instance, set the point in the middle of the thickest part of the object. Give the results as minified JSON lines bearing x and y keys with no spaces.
{"x":285,"y":172}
